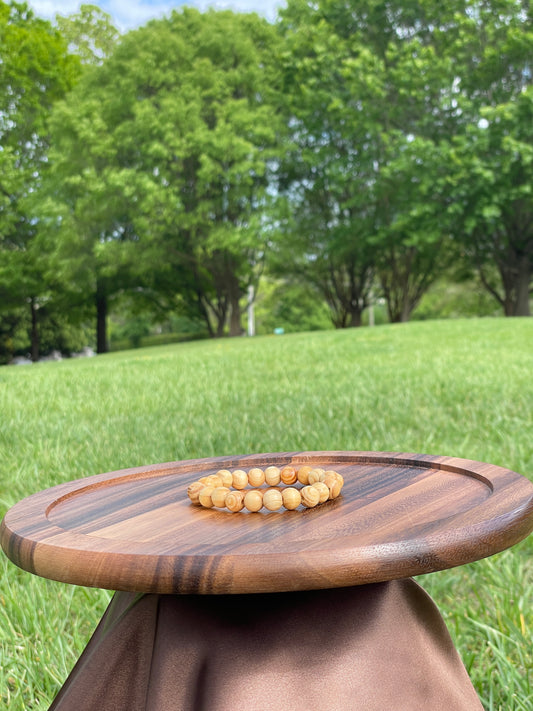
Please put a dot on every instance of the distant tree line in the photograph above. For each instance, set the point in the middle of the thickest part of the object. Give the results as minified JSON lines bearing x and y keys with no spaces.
{"x":357,"y":149}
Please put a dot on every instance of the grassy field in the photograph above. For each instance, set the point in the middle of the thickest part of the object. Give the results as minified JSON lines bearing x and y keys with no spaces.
{"x":461,"y":388}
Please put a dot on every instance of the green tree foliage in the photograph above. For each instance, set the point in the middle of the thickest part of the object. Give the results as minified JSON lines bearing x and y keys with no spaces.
{"x":493,"y":187}
{"x":290,"y":306}
{"x":90,"y":33}
{"x":491,"y":163}
{"x":323,"y":170}
{"x":370,"y":86}
{"x":35,"y":71}
{"x":393,"y":136}
{"x":376,"y":93}
{"x":85,"y":216}
{"x":161,"y":158}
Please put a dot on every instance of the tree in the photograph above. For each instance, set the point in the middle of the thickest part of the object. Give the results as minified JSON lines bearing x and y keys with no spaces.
{"x":322,"y":172}
{"x":490,"y":166}
{"x":175,"y":132}
{"x":492,"y":186}
{"x":368,"y":83}
{"x":414,"y":241}
{"x":89,"y":33}
{"x":83,"y":223}
{"x":378,"y":92}
{"x":35,"y":71}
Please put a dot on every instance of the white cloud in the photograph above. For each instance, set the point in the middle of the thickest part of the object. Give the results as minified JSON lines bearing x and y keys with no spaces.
{"x":49,"y":8}
{"x":127,"y":14}
{"x":133,"y":13}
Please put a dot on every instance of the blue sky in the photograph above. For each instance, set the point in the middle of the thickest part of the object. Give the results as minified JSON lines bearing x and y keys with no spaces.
{"x":132,"y":13}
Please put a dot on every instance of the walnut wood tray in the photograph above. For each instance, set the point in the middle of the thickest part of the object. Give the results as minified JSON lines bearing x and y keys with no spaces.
{"x":398,"y":515}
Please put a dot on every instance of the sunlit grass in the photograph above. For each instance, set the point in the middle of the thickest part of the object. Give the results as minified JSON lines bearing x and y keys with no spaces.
{"x":461,"y":388}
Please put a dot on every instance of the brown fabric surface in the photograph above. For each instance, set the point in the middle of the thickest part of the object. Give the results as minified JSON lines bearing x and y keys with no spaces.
{"x":381,"y":647}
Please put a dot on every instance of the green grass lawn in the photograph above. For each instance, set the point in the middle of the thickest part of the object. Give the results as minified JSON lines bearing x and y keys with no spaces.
{"x":461,"y":388}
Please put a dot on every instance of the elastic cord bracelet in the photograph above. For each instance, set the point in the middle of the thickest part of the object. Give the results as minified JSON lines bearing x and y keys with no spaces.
{"x":230,"y":490}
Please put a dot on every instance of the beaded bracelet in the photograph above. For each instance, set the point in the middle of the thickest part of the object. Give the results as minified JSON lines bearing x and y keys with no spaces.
{"x":214,"y":490}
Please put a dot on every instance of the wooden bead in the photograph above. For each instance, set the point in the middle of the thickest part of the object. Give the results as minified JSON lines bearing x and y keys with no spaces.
{"x":256,"y":477}
{"x":240,"y":479}
{"x":337,"y":476}
{"x":218,"y":496}
{"x":226,"y":476}
{"x":272,"y":499}
{"x":316,"y":474}
{"x":253,"y":500}
{"x":193,"y":492}
{"x":310,"y":496}
{"x":291,"y":498}
{"x":288,"y":475}
{"x":272,"y":476}
{"x":214,"y":490}
{"x":235,"y":501}
{"x":205,"y":497}
{"x":213,"y":480}
{"x":334,"y":484}
{"x":323,"y":491}
{"x":331,"y":472}
{"x":303,"y":474}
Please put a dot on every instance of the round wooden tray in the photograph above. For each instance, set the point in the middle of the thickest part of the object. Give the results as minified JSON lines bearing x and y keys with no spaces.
{"x":398,"y":515}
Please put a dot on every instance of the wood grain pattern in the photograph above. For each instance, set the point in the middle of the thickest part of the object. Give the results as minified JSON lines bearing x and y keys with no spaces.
{"x":398,"y":515}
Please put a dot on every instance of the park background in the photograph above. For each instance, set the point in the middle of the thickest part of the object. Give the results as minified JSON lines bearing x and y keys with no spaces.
{"x":348,"y":164}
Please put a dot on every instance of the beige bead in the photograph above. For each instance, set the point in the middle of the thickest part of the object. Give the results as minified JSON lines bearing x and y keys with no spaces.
{"x":256,"y":477}
{"x":291,"y":498}
{"x":272,"y":499}
{"x":272,"y":476}
{"x":218,"y":496}
{"x":310,"y":496}
{"x":316,"y":474}
{"x":303,"y":474}
{"x":205,"y":497}
{"x":253,"y":500}
{"x":288,"y":475}
{"x":334,"y":482}
{"x":235,"y":501}
{"x":323,"y":491}
{"x":334,"y":486}
{"x":226,"y":476}
{"x":213,"y":480}
{"x":331,"y":472}
{"x":240,"y":479}
{"x":338,"y":477}
{"x":193,"y":492}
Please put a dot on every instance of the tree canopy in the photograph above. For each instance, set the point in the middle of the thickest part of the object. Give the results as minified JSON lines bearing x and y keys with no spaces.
{"x":35,"y":71}
{"x":355,"y":149}
{"x":379,"y":92}
{"x":167,"y":148}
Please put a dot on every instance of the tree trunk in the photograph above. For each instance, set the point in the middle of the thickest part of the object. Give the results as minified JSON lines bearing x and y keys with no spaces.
{"x":35,"y":340}
{"x":355,"y":318}
{"x":407,"y":309}
{"x":221,"y":322}
{"x":523,"y":280}
{"x":101,"y":321}
{"x":235,"y":328}
{"x":234,"y":297}
{"x":346,"y":290}
{"x":204,"y":313}
{"x":515,"y":278}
